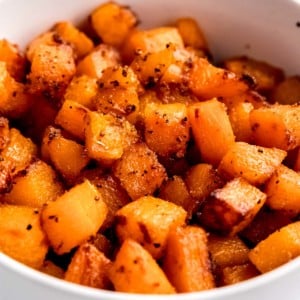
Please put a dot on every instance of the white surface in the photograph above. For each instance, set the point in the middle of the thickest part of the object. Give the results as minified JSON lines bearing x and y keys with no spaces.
{"x":265,"y":29}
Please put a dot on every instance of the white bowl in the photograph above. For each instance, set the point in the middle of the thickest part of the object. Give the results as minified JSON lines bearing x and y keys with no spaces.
{"x":266,"y":30}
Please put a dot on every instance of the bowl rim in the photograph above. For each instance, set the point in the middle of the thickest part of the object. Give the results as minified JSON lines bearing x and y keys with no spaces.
{"x":93,"y":293}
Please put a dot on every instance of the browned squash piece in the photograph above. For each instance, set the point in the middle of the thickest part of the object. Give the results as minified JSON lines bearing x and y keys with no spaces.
{"x":21,"y":235}
{"x":239,"y":116}
{"x":49,"y":38}
{"x":134,"y":265}
{"x":287,"y":91}
{"x":167,"y":129}
{"x":265,"y":223}
{"x":230,"y":209}
{"x":112,"y":22}
{"x":207,"y":81}
{"x":150,"y":41}
{"x":98,"y":60}
{"x":15,"y":61}
{"x":103,"y":244}
{"x":265,"y":75}
{"x":71,"y":117}
{"x":82,"y":89}
{"x":283,"y":190}
{"x":201,"y":180}
{"x":254,"y":163}
{"x":81,"y":44}
{"x":73,"y":217}
{"x":35,"y":186}
{"x":186,"y":262}
{"x":176,"y":191}
{"x":276,"y":126}
{"x":227,"y":251}
{"x":19,"y":152}
{"x":67,"y":156}
{"x":4,"y":133}
{"x":50,"y":268}
{"x":89,"y":267}
{"x":139,"y":171}
{"x":148,"y":221}
{"x":52,"y":69}
{"x":277,"y":249}
{"x":113,"y":194}
{"x":211,"y":129}
{"x":191,"y":34}
{"x":108,"y":136}
{"x":119,"y":101}
{"x":14,"y":101}
{"x":234,"y":274}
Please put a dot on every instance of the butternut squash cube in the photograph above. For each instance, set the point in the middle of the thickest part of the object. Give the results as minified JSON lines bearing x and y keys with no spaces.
{"x":230,"y":209}
{"x":98,"y":60}
{"x":134,"y":264}
{"x":34,"y":187}
{"x":73,"y":217}
{"x":112,"y":22}
{"x":277,"y":249}
{"x":276,"y":126}
{"x":148,"y":221}
{"x":52,"y":69}
{"x":108,"y":136}
{"x":211,"y":129}
{"x":71,"y":117}
{"x":89,"y":267}
{"x":4,"y":132}
{"x":186,"y":262}
{"x":139,"y":171}
{"x":254,"y":163}
{"x":283,"y":190}
{"x":167,"y":129}
{"x":21,"y":235}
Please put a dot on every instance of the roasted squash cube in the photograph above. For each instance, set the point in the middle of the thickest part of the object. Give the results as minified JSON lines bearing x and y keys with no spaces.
{"x":231,"y":208}
{"x":134,"y":264}
{"x":186,"y":262}
{"x":21,"y":235}
{"x":148,"y":221}
{"x":73,"y":217}
{"x":139,"y":171}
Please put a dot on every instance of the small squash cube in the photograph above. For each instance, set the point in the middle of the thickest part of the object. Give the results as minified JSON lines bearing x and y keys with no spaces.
{"x":19,"y":152}
{"x":135,"y":271}
{"x":211,"y":129}
{"x":82,"y":89}
{"x":108,"y":136}
{"x":233,"y":207}
{"x":98,"y":60}
{"x":89,"y":267}
{"x":207,"y":81}
{"x":254,"y":163}
{"x":112,"y":22}
{"x":283,"y":190}
{"x":37,"y":185}
{"x":15,"y":61}
{"x":81,"y":44}
{"x":52,"y":69}
{"x":73,"y":217}
{"x":186,"y":262}
{"x":148,"y":221}
{"x":4,"y":133}
{"x":276,"y":126}
{"x":277,"y":249}
{"x":139,"y":171}
{"x":71,"y":117}
{"x":167,"y":129}
{"x":21,"y":235}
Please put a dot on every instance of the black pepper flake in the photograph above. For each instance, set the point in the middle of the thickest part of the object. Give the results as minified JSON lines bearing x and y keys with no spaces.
{"x":53,"y":217}
{"x":156,"y":245}
{"x":124,"y":73}
{"x":156,"y":70}
{"x":260,"y":151}
{"x":115,"y":83}
{"x":29,"y":227}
